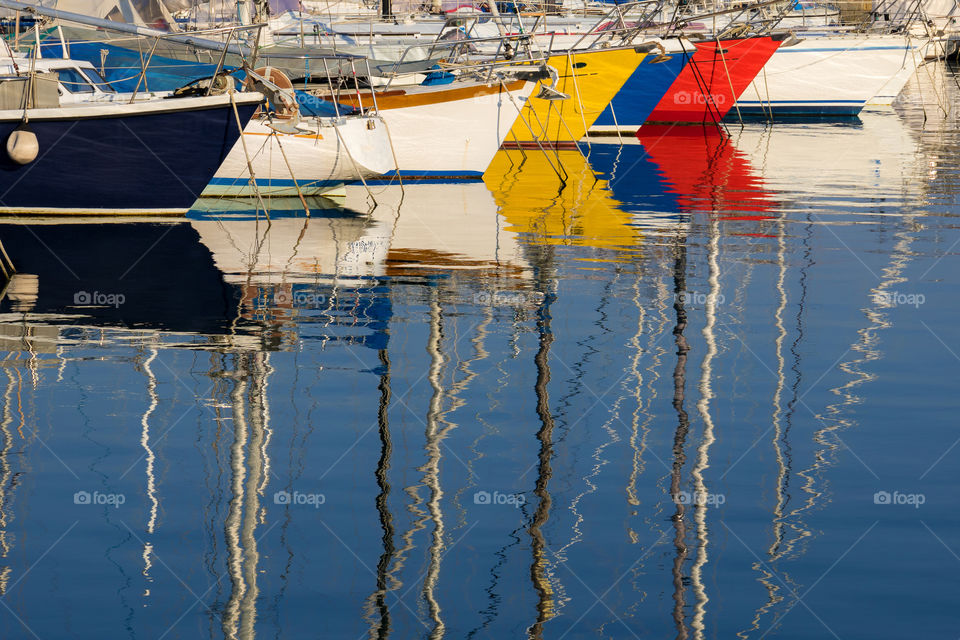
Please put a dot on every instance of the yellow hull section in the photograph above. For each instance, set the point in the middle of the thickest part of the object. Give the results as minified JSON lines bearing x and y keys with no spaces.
{"x":591,"y":79}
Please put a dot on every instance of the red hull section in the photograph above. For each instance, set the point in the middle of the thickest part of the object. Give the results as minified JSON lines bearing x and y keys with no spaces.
{"x":705,"y":172}
{"x":715,"y":77}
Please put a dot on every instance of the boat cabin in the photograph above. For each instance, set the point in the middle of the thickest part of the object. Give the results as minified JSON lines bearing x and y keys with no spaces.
{"x":76,"y":81}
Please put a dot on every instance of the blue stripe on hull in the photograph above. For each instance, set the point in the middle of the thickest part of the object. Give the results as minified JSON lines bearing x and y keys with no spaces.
{"x":831,"y":108}
{"x":143,"y":161}
{"x":643,"y":91}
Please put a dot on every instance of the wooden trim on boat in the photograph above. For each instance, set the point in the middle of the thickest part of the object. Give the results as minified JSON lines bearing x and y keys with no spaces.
{"x":400,"y":98}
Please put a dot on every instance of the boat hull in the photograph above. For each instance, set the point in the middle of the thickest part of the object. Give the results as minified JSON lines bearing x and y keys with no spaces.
{"x":642,"y":92}
{"x":101,"y":159}
{"x":710,"y":83}
{"x":452,"y":132}
{"x":591,"y":79}
{"x":320,"y":158}
{"x":831,"y":76}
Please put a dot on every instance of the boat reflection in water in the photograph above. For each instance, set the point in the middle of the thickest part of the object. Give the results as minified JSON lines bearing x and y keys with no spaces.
{"x":240,"y":284}
{"x":706,"y":171}
{"x":877,"y":155}
{"x":558,"y":199}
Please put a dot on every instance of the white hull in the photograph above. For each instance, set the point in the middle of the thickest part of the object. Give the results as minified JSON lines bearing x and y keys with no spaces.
{"x":455,"y":138}
{"x":325,"y":154}
{"x":831,"y":75}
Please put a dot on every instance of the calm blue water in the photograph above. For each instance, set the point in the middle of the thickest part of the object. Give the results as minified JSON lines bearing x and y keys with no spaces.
{"x":705,"y":389}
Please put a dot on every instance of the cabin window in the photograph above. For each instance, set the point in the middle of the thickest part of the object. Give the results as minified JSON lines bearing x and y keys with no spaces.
{"x":94,"y":76}
{"x":74,"y":81}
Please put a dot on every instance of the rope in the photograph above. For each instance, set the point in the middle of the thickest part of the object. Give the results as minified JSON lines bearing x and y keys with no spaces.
{"x":354,"y":163}
{"x":733,"y":94}
{"x":296,"y":185}
{"x":243,"y":142}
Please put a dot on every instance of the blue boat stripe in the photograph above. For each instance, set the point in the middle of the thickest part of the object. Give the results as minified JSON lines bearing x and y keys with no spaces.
{"x":269,"y":182}
{"x":765,"y":102}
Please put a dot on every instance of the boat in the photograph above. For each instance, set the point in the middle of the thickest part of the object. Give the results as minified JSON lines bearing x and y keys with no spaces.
{"x":289,"y":152}
{"x":284,"y":152}
{"x":705,"y":62}
{"x":708,"y":86}
{"x":449,"y":131}
{"x":462,"y":123}
{"x":78,"y":81}
{"x":150,"y":156}
{"x":565,"y":107}
{"x":831,"y":74}
{"x":316,"y":157}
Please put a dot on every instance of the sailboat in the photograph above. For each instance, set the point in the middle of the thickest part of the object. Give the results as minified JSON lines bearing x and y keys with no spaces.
{"x":835,"y":74}
{"x":284,"y":153}
{"x":106,"y":157}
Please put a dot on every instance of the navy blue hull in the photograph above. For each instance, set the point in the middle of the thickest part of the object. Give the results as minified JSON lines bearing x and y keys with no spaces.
{"x":794,"y":110}
{"x":152,"y":161}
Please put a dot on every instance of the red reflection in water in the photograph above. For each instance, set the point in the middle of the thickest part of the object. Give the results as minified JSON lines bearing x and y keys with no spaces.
{"x":706,"y":172}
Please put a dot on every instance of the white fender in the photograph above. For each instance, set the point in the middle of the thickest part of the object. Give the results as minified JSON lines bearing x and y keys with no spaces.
{"x":22,"y":146}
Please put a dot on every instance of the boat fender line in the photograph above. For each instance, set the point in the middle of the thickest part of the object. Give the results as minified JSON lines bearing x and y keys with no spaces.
{"x":22,"y":145}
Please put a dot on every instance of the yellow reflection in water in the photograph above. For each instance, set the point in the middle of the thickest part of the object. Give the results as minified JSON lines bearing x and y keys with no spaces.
{"x":580,"y":210}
